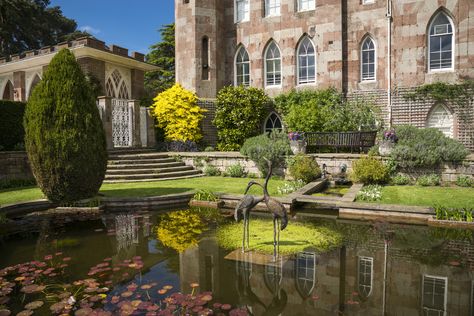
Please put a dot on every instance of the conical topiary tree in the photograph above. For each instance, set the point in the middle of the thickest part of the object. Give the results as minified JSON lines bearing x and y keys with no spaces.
{"x":64,"y":137}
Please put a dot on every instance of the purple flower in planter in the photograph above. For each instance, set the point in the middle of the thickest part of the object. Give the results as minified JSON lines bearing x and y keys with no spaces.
{"x":390,"y":135}
{"x":295,"y":136}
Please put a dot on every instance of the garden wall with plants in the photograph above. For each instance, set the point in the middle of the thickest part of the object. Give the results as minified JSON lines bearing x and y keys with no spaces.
{"x":449,"y":172}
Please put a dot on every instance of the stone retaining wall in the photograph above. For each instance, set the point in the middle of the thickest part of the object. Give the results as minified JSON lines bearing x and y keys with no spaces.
{"x":14,"y":165}
{"x":449,"y":172}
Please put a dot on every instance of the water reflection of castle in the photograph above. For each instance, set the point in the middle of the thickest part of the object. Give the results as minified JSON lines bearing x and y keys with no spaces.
{"x":353,"y":279}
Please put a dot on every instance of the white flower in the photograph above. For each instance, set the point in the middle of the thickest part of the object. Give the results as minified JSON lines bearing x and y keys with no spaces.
{"x":71,"y":300}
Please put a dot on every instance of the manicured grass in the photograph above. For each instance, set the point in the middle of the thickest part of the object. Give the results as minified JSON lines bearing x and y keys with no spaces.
{"x":453,"y":197}
{"x":142,"y":189}
{"x":297,"y":237}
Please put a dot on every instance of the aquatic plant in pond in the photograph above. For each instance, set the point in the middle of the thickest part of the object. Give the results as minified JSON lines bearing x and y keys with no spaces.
{"x":45,"y":287}
{"x":297,"y":237}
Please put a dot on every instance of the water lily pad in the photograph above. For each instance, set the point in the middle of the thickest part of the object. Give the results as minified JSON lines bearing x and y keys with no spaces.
{"x":127,"y":294}
{"x":57,"y":307}
{"x":34,"y":305}
{"x":84,"y":311}
{"x":5,"y":312}
{"x":146,"y":287}
{"x":167,"y":287}
{"x":26,"y":312}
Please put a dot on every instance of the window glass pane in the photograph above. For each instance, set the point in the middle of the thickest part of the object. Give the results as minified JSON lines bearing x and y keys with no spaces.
{"x":446,"y":42}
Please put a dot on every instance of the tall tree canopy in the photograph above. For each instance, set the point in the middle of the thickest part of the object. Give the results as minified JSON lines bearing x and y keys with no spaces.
{"x":161,"y":55}
{"x":32,"y":24}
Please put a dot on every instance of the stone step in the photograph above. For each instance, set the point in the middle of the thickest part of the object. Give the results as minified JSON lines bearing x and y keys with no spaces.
{"x":131,"y":151}
{"x":145,"y":165}
{"x":140,"y":161}
{"x":151,"y":176}
{"x":151,"y":155}
{"x":147,"y":170}
{"x":155,"y":180}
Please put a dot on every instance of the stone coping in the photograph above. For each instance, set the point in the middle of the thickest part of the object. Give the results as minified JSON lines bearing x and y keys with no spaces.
{"x":109,"y":203}
{"x":236,"y":154}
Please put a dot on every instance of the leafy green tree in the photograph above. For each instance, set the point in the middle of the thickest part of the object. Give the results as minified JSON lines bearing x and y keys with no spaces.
{"x":64,"y":136}
{"x":162,"y":55}
{"x":31,"y":24}
{"x":239,"y":115}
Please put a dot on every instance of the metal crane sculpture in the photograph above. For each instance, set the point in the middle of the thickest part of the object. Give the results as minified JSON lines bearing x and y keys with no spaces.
{"x":243,"y":208}
{"x":278,"y":210}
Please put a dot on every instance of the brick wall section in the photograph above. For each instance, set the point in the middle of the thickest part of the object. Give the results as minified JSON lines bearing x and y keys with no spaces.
{"x":14,"y":165}
{"x":94,"y":67}
{"x":138,"y":84}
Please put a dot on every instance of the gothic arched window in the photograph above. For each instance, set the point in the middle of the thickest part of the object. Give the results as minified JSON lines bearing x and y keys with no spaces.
{"x":441,"y":43}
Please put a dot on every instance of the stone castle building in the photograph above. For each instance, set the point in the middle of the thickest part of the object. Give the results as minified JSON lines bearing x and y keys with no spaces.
{"x":120,"y":77}
{"x":380,"y":49}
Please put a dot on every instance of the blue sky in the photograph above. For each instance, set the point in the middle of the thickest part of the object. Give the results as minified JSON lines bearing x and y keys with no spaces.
{"x":130,"y":24}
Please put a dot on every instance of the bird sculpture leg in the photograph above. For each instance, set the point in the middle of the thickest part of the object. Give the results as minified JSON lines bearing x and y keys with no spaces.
{"x":278,"y":237}
{"x":248,"y":234}
{"x":243,"y":237}
{"x":274,"y":238}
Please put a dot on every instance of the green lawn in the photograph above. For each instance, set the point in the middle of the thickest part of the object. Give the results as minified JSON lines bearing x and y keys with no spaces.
{"x":139,"y":189}
{"x":455,"y":197}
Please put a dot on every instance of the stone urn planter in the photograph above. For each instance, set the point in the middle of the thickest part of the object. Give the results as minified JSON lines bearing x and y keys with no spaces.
{"x":386,"y":147}
{"x":298,"y":146}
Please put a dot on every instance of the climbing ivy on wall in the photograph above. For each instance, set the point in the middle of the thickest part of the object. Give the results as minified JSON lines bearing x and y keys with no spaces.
{"x":461,"y":94}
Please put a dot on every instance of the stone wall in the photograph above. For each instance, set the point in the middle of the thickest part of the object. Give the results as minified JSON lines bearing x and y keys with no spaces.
{"x":449,"y":172}
{"x":14,"y":165}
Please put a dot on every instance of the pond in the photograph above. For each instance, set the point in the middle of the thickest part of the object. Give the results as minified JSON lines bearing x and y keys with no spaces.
{"x":136,"y":263}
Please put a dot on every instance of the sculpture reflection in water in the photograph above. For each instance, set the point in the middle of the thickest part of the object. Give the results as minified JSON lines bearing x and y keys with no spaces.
{"x":273,"y":278}
{"x":278,"y":210}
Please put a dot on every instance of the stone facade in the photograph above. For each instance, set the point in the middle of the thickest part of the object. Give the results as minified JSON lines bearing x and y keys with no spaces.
{"x":337,"y":29}
{"x":120,"y":76}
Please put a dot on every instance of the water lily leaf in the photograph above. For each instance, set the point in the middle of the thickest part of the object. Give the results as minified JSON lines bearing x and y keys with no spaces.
{"x":26,"y":312}
{"x":34,"y":305}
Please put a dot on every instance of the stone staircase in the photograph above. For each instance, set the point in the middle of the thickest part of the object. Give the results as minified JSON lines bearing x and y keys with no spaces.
{"x":144,"y":165}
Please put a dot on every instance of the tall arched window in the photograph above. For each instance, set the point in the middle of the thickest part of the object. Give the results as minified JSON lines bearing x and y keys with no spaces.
{"x":368,"y":59}
{"x":306,"y":62}
{"x":116,"y":87}
{"x":33,"y":84}
{"x":242,"y":68}
{"x":365,"y":276}
{"x":441,"y":119}
{"x":305,"y":273}
{"x":441,"y":43}
{"x":8,"y":92}
{"x":273,"y":122}
{"x":272,"y":65}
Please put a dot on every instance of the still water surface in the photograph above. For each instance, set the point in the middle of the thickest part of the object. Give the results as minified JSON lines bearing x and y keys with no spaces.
{"x":402,"y":270}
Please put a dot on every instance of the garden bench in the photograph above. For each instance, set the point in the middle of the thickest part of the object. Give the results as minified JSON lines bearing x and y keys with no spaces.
{"x":355,"y":141}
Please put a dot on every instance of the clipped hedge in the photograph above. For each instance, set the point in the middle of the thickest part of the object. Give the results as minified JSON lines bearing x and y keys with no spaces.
{"x":11,"y":124}
{"x":239,"y":115}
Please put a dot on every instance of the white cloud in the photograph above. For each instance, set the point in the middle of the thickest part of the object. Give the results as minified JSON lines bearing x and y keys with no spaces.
{"x":89,"y":29}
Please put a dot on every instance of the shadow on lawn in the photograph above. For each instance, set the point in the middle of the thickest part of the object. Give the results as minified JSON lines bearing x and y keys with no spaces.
{"x":142,"y":192}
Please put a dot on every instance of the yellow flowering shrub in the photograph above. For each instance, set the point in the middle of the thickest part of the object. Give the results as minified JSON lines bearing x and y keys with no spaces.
{"x":177,"y":112}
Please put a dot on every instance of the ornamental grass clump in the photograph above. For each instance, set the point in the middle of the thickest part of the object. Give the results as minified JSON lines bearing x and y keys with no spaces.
{"x":177,"y":112}
{"x":64,"y":136}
